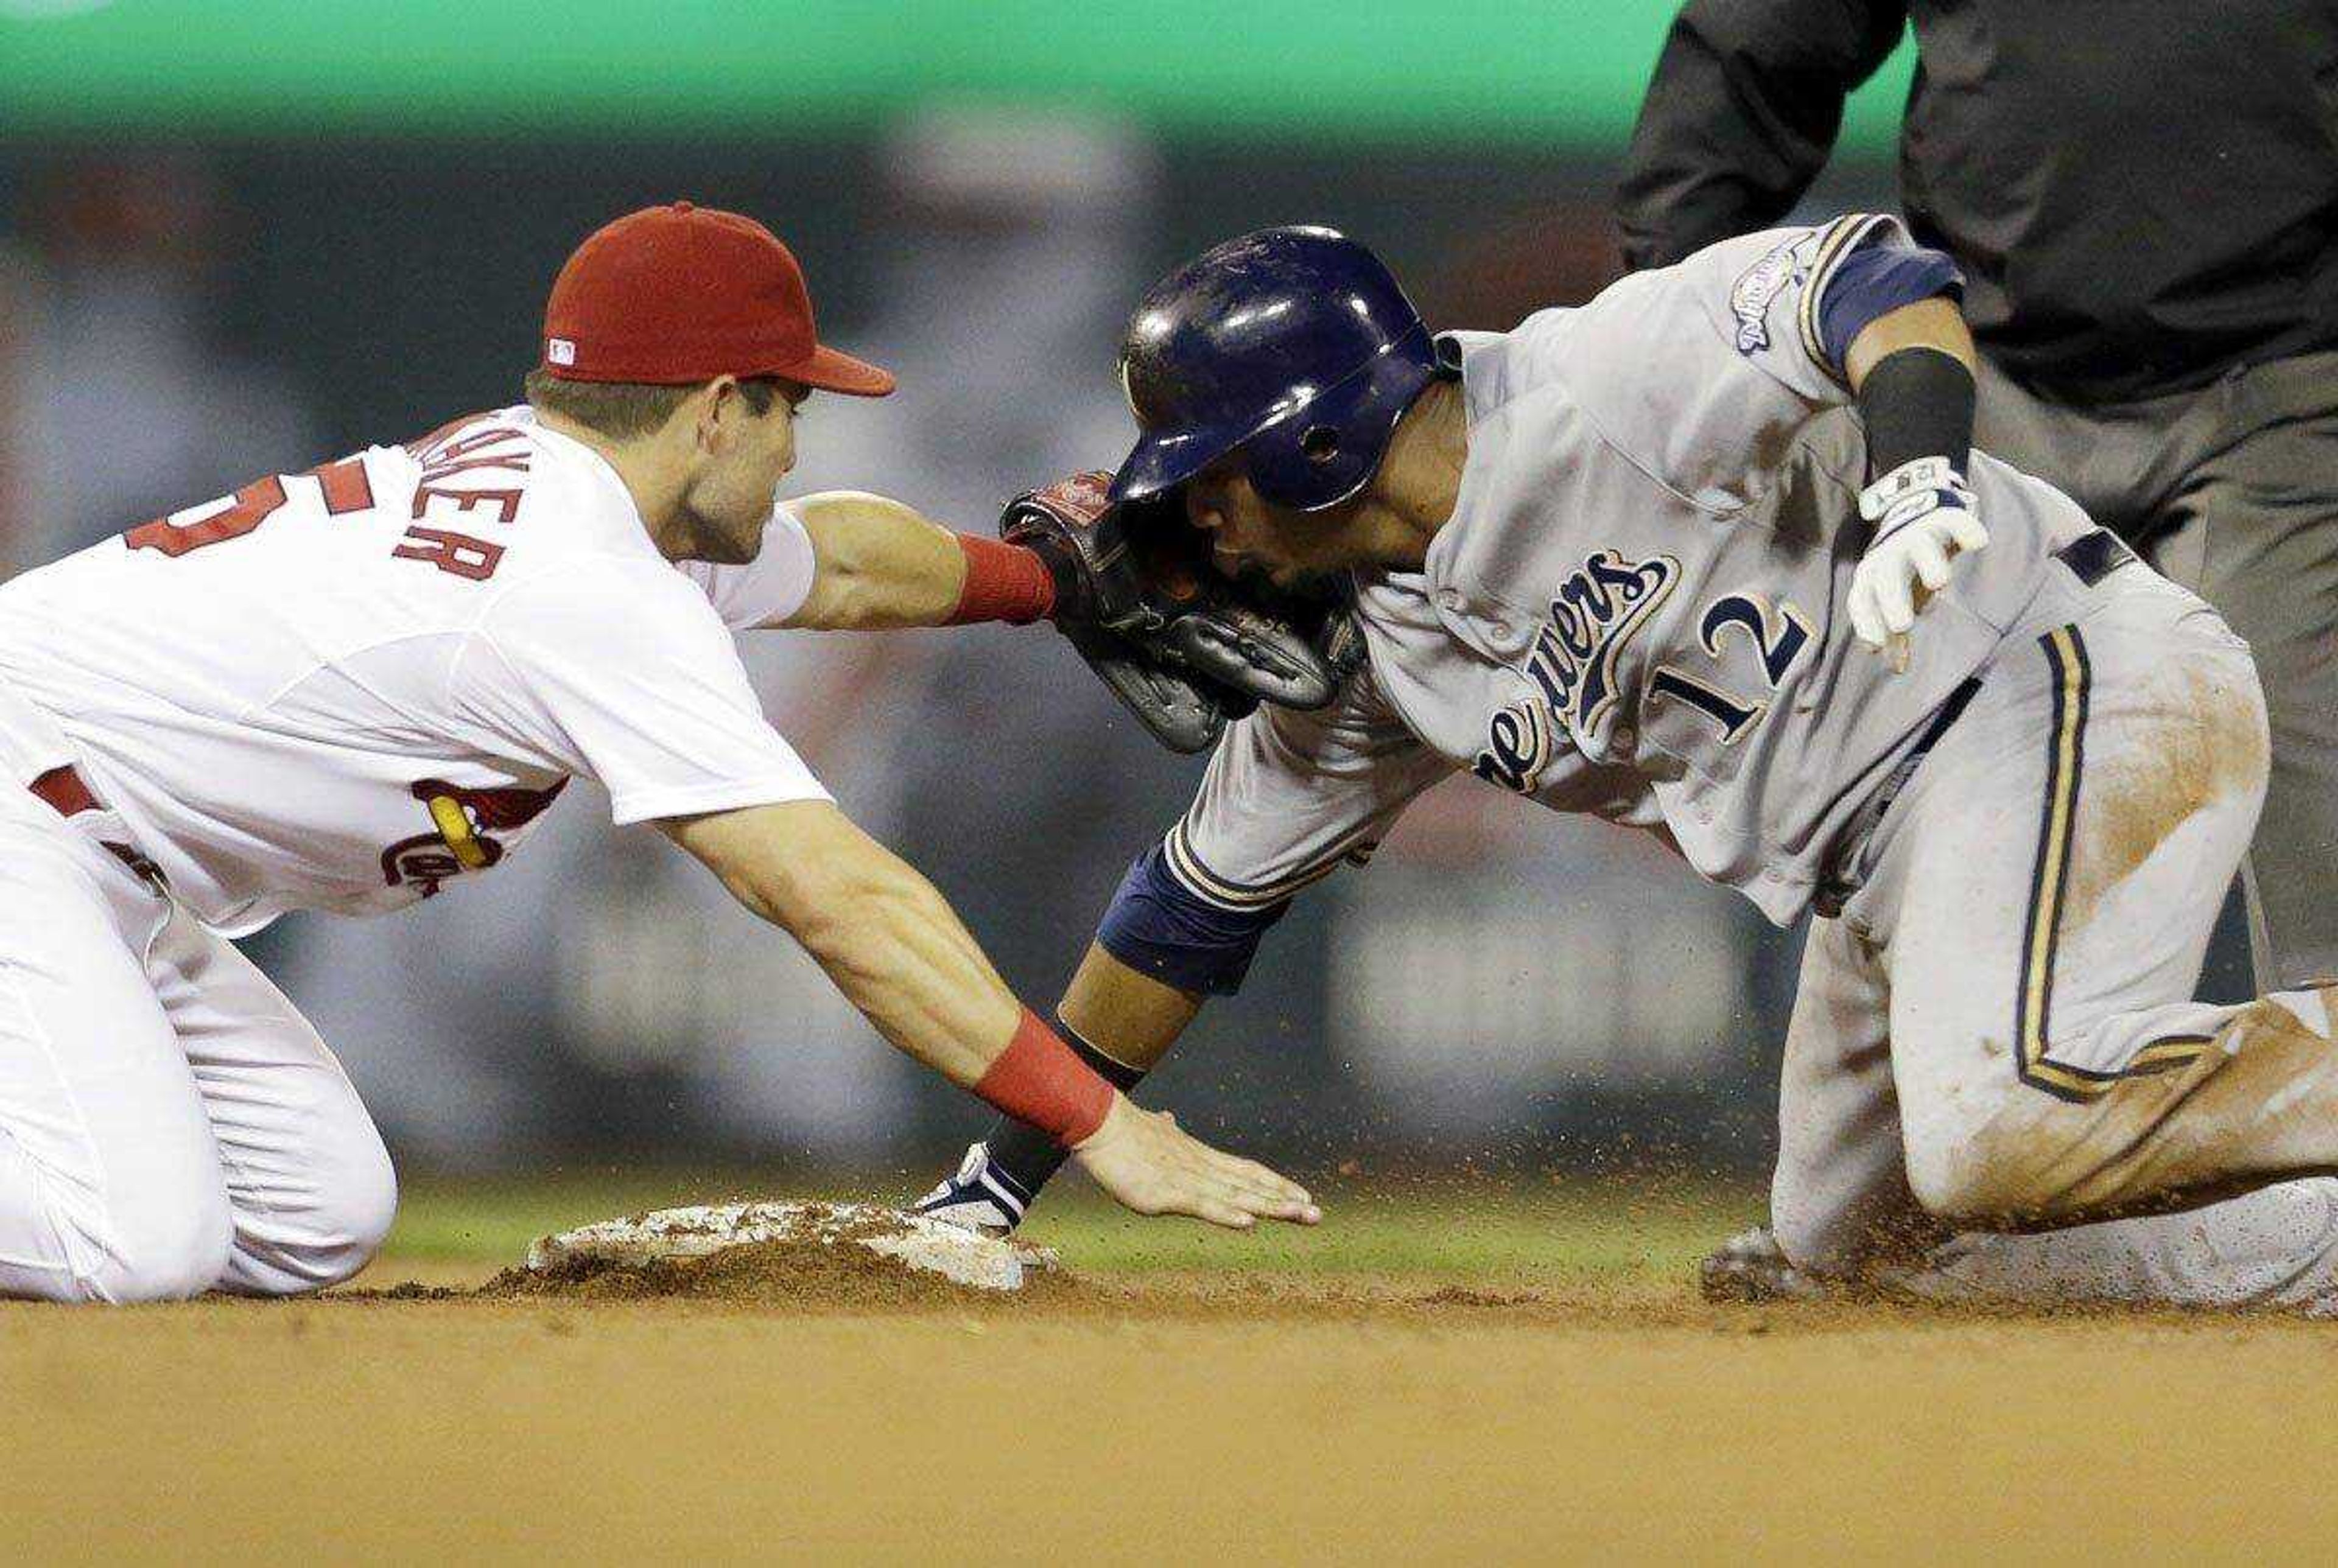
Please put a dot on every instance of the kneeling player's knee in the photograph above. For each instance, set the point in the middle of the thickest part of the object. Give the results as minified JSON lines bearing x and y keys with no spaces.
{"x":364,"y":1202}
{"x":165,"y":1248}
{"x":1950,"y":1190}
{"x":351,"y":1200}
{"x":1998,"y":1172}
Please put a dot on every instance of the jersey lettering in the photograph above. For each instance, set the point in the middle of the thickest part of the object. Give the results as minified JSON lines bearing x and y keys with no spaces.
{"x":344,"y":485}
{"x":440,"y":456}
{"x":1734,"y":716}
{"x":444,"y":454}
{"x":507,"y":502}
{"x":1593,"y":615}
{"x":1520,"y":744}
{"x":458,"y":554}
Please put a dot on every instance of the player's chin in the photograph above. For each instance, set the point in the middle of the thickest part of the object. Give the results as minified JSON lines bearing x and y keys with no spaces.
{"x":1250,"y":571}
{"x":734,"y":547}
{"x":1304,"y":582}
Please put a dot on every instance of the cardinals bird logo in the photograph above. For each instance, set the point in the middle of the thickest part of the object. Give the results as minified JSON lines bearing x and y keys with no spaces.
{"x":463,"y":823}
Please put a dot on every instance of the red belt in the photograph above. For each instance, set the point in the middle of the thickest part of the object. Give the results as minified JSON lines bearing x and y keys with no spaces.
{"x":62,"y":788}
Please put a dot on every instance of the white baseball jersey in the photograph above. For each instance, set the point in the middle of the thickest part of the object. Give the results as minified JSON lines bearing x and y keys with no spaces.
{"x":342,"y":689}
{"x":1637,"y":607}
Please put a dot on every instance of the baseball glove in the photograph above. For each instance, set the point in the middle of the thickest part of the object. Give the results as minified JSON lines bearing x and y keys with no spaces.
{"x":1178,"y":644}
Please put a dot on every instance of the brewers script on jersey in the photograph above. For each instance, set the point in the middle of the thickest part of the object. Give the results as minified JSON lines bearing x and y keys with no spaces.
{"x":343,"y":689}
{"x":1637,"y":610}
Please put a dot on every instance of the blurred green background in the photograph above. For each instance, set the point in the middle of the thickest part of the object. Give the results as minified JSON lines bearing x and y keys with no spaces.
{"x":1504,"y":70}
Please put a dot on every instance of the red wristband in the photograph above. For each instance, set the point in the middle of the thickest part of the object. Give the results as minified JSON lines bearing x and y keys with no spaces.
{"x":1038,"y":1080}
{"x":1003,"y":582}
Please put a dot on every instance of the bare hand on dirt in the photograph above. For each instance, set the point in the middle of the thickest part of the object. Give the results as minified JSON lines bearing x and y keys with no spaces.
{"x":1145,"y":1161}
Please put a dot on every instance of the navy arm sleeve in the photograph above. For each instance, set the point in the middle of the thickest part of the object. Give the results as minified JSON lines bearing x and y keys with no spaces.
{"x":1289,"y":798}
{"x":1875,"y":281}
{"x":1740,"y":116}
{"x":1157,"y":927}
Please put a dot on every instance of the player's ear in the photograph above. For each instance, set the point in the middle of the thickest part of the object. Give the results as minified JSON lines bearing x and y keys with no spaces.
{"x":719,"y":401}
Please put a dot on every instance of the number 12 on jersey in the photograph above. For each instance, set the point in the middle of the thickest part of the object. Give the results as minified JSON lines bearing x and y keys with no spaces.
{"x":1778,"y":636}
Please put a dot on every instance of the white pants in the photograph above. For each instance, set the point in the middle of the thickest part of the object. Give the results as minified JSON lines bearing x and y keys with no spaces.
{"x":169,"y":1123}
{"x":1996,"y":1035}
{"x":1842,"y":1206}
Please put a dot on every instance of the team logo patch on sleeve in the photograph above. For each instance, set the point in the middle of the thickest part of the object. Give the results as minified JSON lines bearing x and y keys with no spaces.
{"x":1756,"y":286}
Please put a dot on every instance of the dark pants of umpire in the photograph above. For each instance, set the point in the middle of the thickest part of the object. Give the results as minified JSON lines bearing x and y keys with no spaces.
{"x":2233,"y":491}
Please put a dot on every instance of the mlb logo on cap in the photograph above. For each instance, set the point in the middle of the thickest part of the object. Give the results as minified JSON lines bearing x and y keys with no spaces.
{"x":559,"y":351}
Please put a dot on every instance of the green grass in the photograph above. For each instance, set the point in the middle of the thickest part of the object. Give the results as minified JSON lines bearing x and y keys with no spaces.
{"x":1450,"y":1228}
{"x":1496,"y":1232}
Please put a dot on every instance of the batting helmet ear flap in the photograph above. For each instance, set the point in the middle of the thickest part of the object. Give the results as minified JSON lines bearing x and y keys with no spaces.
{"x":1293,"y":347}
{"x":1331,"y":449}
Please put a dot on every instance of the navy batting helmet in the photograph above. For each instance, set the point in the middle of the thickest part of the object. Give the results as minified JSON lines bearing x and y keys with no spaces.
{"x":1293,"y":347}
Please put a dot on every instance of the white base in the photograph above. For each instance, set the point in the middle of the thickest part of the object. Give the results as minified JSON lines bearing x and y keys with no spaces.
{"x":984,"y":1263}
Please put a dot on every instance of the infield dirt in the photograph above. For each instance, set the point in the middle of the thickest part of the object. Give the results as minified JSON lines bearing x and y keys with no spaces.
{"x":760,"y":1412}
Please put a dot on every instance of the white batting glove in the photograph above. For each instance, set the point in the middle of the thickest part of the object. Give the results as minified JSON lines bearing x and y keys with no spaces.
{"x":1924,"y":517}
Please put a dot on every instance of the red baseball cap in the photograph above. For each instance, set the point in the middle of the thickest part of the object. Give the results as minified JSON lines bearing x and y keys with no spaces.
{"x":677,"y":294}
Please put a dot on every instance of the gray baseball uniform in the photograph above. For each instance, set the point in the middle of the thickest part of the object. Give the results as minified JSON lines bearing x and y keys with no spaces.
{"x":2230,"y":489}
{"x":1637,"y":611}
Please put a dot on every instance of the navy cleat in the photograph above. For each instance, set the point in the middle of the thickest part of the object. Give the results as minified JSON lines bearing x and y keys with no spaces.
{"x":981,"y":1197}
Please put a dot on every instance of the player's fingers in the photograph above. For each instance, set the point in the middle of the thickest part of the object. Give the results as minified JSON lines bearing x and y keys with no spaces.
{"x":1206,"y":1160}
{"x":1930,"y":556}
{"x":1253,"y":1177}
{"x":1301,"y":1210}
{"x":1968,"y":531}
{"x":1895,"y":652}
{"x":1218,"y":1211}
{"x":1267,"y":1206}
{"x":1287,"y":1199}
{"x":1240,"y":1180}
{"x":1240,"y":1183}
{"x":1271,"y":1205}
{"x":1865,"y":623}
{"x":1893,"y":606}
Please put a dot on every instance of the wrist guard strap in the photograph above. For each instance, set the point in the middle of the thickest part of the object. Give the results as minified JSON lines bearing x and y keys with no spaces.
{"x":1038,"y":1080}
{"x":1917,"y":403}
{"x":1003,"y":582}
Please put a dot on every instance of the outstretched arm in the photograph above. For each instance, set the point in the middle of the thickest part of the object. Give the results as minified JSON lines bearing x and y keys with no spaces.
{"x":1181,"y":651}
{"x":1288,"y":797}
{"x":882,"y":563}
{"x":899,"y":953}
